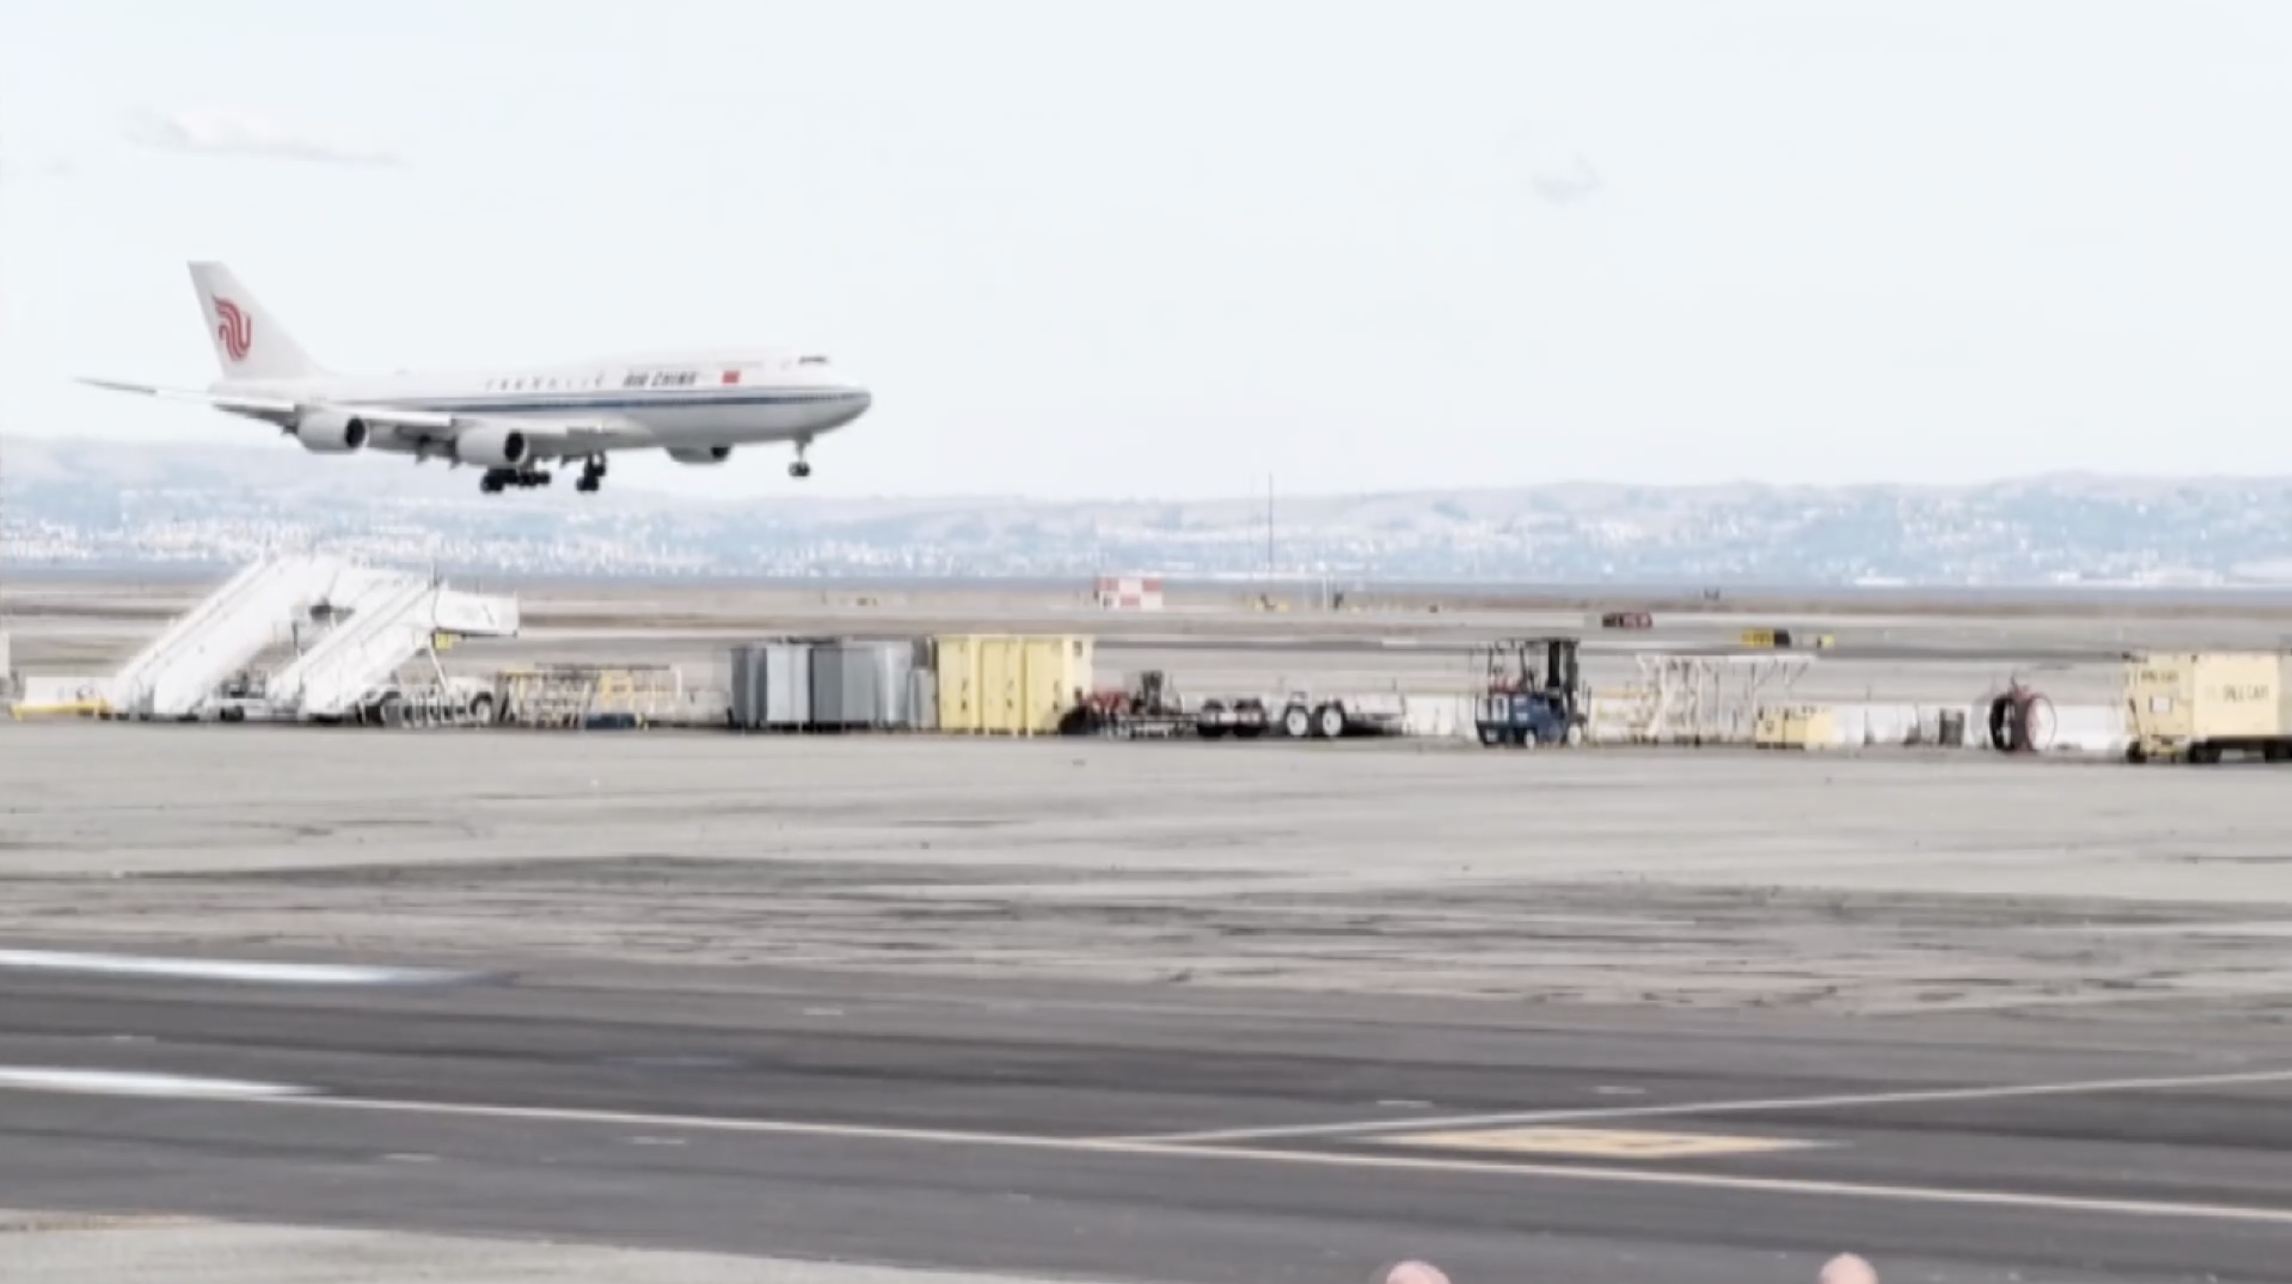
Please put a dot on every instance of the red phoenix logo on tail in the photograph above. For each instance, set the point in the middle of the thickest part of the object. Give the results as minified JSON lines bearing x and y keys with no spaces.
{"x":234,"y":328}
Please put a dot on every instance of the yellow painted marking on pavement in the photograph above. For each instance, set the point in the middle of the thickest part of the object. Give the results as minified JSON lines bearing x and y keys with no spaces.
{"x":68,"y":1223}
{"x":1595,"y":1143}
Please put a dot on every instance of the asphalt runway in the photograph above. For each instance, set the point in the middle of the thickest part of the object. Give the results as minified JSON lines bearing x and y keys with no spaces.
{"x":1131,"y":1134}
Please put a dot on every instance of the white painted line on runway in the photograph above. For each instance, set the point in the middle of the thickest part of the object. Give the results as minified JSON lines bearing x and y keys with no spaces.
{"x":215,"y":969}
{"x":1781,"y":1104}
{"x":1303,"y":1158}
{"x":1330,"y":1159}
{"x":120,"y":1083}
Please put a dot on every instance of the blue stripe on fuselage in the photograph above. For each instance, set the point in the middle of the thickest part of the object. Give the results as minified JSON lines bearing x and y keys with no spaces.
{"x":619,"y":399}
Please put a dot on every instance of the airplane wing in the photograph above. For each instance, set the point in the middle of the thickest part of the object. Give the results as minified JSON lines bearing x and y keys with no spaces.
{"x":562,"y":437}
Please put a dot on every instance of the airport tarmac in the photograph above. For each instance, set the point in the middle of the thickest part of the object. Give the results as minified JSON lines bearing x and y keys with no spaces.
{"x":1029,"y":1009}
{"x":1694,"y":878}
{"x":1138,"y":1133}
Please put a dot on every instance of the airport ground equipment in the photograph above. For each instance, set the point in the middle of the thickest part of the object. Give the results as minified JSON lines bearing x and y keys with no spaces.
{"x":1784,"y":640}
{"x":378,"y":623}
{"x":1709,"y":699}
{"x":1306,"y":715}
{"x":1150,"y":710}
{"x":590,"y":696}
{"x":1532,"y":693}
{"x":341,"y":633}
{"x":2021,"y":719}
{"x":2200,"y":706}
{"x":1243,"y":718}
{"x":1154,"y":709}
{"x":176,"y":674}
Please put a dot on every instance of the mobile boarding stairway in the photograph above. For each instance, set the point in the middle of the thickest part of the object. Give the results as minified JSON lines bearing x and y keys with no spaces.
{"x":254,"y":611}
{"x":350,"y":672}
{"x":350,"y":630}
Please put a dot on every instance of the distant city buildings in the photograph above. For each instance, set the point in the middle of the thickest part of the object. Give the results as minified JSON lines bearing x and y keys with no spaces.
{"x":72,"y":508}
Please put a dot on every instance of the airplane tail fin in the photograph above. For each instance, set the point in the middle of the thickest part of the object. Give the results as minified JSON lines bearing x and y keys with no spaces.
{"x":249,"y":342}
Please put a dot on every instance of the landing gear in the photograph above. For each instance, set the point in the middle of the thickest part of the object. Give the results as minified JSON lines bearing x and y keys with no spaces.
{"x":497,"y":479}
{"x":592,"y":474}
{"x":800,"y":469}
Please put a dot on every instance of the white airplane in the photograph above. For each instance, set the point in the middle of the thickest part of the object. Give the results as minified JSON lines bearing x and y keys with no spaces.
{"x":696,"y":406}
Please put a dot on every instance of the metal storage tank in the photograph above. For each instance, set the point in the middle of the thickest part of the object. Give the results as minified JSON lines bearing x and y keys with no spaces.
{"x":744,"y":710}
{"x":846,"y":684}
{"x":922,"y":699}
{"x":771,"y":685}
{"x":783,"y":683}
{"x":894,"y":663}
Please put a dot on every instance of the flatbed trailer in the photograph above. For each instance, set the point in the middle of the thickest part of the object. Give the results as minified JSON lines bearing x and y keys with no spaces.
{"x":1153,"y":712}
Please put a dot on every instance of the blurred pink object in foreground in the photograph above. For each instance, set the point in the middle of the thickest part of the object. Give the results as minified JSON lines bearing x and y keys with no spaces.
{"x":1846,"y":1268}
{"x":1418,"y":1273}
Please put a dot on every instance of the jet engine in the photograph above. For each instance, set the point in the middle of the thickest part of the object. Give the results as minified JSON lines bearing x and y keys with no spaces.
{"x":711,"y":455}
{"x":493,"y":446}
{"x":328,"y":432}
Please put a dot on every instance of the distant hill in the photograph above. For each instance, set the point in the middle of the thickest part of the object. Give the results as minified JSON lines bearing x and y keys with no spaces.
{"x":79,"y":503}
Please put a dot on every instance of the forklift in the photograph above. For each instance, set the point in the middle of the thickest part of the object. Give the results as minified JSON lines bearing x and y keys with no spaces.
{"x":1532,"y":694}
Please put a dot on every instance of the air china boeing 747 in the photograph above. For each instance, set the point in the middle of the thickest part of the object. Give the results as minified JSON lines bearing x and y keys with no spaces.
{"x":696,"y":406}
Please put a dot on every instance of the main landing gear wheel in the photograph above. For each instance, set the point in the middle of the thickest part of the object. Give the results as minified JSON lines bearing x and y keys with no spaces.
{"x":497,"y":479}
{"x":592,"y":475}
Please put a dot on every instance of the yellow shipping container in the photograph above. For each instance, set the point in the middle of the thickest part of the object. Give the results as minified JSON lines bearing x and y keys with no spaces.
{"x":1796,"y":726}
{"x":2199,"y":702}
{"x":1010,"y":684}
{"x":1818,"y":727}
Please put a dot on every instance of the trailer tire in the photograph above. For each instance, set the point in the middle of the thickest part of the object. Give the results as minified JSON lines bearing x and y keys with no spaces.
{"x":1575,"y":735}
{"x":481,"y":709}
{"x":1296,"y":723}
{"x":1329,"y":722}
{"x":1492,"y":736}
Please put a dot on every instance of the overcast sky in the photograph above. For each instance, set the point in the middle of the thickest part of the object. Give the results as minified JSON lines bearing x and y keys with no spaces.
{"x":1081,"y":248}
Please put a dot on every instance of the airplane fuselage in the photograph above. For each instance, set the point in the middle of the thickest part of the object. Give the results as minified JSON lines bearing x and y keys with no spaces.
{"x":676,"y":403}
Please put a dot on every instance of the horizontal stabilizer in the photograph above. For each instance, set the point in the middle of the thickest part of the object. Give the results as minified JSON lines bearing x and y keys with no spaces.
{"x":221,"y":401}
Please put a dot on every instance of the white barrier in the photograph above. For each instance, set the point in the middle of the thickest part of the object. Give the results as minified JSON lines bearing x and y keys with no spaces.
{"x":2060,"y":728}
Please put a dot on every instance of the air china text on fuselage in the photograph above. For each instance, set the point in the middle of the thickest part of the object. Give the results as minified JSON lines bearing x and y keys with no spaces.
{"x":696,"y":406}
